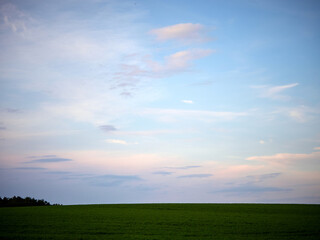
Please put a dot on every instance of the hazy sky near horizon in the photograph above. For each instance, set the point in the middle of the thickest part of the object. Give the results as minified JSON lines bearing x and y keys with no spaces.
{"x":160,"y":101}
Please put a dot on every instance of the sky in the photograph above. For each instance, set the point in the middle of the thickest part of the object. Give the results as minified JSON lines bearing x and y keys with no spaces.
{"x":105,"y":101}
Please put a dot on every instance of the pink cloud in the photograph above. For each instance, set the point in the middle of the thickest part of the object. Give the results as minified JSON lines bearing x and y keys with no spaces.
{"x":286,"y":157}
{"x":183,"y":32}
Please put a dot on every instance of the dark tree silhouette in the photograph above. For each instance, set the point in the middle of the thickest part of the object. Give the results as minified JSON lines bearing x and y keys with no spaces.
{"x":21,"y":202}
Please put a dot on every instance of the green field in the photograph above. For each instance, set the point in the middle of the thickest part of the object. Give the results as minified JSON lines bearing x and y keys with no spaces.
{"x":162,"y":221}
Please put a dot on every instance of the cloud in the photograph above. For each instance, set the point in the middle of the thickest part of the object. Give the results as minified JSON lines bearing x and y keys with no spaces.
{"x":13,"y":110}
{"x":58,"y":172}
{"x":30,"y":168}
{"x":131,"y":74}
{"x":164,"y":173}
{"x":187,"y":101}
{"x":14,"y":19}
{"x":107,"y":128}
{"x":169,"y":115}
{"x":262,"y":142}
{"x":185,"y":32}
{"x":150,"y":132}
{"x":286,"y":157}
{"x":317,"y":148}
{"x":195,"y":176}
{"x":262,"y":177}
{"x":126,"y":94}
{"x":184,"y":167}
{"x":43,"y":156}
{"x":274,"y":92}
{"x":301,"y":114}
{"x":49,"y":160}
{"x":249,"y":188}
{"x":180,"y":61}
{"x":111,"y":180}
{"x":116,"y":141}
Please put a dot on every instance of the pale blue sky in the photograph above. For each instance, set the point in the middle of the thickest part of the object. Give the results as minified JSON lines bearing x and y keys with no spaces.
{"x":160,"y":101}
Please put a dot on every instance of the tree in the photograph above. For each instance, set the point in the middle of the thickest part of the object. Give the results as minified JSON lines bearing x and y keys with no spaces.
{"x":17,"y":201}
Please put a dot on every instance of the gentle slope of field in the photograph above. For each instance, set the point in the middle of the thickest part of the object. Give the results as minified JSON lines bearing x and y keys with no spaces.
{"x":162,"y":221}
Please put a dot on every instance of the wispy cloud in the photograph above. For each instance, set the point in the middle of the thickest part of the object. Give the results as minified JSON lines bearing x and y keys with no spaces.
{"x":163,"y":173}
{"x":168,"y":115}
{"x":107,"y":128}
{"x":14,"y":19}
{"x":180,"y":61}
{"x":150,"y":132}
{"x":274,"y":92}
{"x":185,"y":32}
{"x":250,"y":188}
{"x":187,"y":101}
{"x":196,"y":176}
{"x":184,"y":167}
{"x":13,"y":110}
{"x":286,"y":157}
{"x":299,"y":114}
{"x":50,"y":160}
{"x":262,"y":177}
{"x":43,"y":156}
{"x":110,"y":180}
{"x":131,"y":74}
{"x":116,"y":141}
{"x":58,"y":172}
{"x":30,"y":168}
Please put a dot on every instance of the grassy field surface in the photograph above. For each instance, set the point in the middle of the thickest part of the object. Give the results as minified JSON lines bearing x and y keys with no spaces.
{"x":162,"y":221}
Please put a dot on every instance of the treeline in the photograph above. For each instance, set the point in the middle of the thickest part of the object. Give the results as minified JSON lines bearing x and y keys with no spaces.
{"x":21,"y":202}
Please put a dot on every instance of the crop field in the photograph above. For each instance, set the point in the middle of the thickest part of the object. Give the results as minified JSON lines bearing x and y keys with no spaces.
{"x":162,"y":221}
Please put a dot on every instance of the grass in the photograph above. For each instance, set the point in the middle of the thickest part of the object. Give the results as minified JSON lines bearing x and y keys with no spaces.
{"x":162,"y":221}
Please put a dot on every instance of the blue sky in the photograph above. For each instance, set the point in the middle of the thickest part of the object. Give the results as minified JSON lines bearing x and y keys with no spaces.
{"x":160,"y":101}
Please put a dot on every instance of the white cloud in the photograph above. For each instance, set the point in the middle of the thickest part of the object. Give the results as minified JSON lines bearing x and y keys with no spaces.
{"x":187,"y":32}
{"x":274,"y":92}
{"x":300,"y":113}
{"x":177,"y":62}
{"x":149,"y":132}
{"x":116,"y":141}
{"x":187,"y":101}
{"x":182,"y":59}
{"x":286,"y":157}
{"x":262,"y":142}
{"x":169,"y":115}
{"x":140,"y":68}
{"x":16,"y":20}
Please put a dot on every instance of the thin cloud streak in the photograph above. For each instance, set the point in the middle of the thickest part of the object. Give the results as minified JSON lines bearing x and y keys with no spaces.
{"x":116,"y":141}
{"x":110,"y":180}
{"x":184,"y":167}
{"x":174,"y":114}
{"x":185,"y":32}
{"x":286,"y":157}
{"x":107,"y":128}
{"x":263,"y":177}
{"x":195,"y":176}
{"x":187,"y":101}
{"x":274,"y":92}
{"x":50,"y":160}
{"x":253,"y":189}
{"x":163,"y":173}
{"x":30,"y":168}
